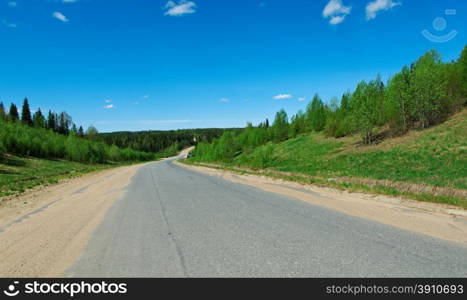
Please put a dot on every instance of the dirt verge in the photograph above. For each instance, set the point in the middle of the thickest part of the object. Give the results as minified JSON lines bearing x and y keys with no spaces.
{"x":44,"y":231}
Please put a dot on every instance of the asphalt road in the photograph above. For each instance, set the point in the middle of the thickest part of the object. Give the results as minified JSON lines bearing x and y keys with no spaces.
{"x":175,"y":222}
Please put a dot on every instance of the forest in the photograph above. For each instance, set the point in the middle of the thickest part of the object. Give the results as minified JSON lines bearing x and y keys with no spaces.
{"x":421,"y":95}
{"x":56,"y":136}
{"x":157,"y":141}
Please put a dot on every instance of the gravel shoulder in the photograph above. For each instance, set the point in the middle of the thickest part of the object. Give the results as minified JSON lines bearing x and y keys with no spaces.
{"x":44,"y":231}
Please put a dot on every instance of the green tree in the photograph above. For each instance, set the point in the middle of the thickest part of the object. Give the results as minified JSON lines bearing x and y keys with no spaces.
{"x":298,"y":124}
{"x":81,"y":131}
{"x":92,"y":133}
{"x":13,"y":115}
{"x":365,"y":108}
{"x":280,"y":126}
{"x":2,"y":111}
{"x":38,"y":119}
{"x":463,"y":70}
{"x":26,"y":113}
{"x":316,"y":114}
{"x":399,"y":101}
{"x":64,"y":122}
{"x":52,"y":121}
{"x":428,"y":85}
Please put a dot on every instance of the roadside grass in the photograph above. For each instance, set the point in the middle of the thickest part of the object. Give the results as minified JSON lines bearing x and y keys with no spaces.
{"x":428,"y":165}
{"x":18,"y":174}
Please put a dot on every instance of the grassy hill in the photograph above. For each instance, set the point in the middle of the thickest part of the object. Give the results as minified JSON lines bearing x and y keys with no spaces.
{"x":428,"y":164}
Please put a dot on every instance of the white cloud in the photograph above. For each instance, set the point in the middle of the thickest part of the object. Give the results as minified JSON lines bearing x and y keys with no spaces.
{"x":301,"y":99}
{"x":372,"y":8}
{"x":225,"y":100}
{"x":282,"y":97}
{"x":11,"y":25}
{"x":337,"y":20}
{"x":336,"y":11}
{"x":60,"y":16}
{"x":108,"y":101}
{"x":183,"y":7}
{"x":69,"y":1}
{"x":12,"y":4}
{"x":109,"y":106}
{"x":146,"y":96}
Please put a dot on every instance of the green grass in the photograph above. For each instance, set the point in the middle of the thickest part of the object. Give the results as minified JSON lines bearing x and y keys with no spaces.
{"x":436,"y":157}
{"x":18,"y":174}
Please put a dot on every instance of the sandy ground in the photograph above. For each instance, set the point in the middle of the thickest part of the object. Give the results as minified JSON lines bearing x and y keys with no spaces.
{"x":44,"y":231}
{"x":440,"y":221}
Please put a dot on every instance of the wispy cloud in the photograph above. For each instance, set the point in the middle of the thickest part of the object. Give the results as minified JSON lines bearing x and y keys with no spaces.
{"x":180,"y":8}
{"x":109,"y":106}
{"x":282,"y":97}
{"x":58,"y":15}
{"x":372,"y":8}
{"x":12,"y":4}
{"x":336,"y":11}
{"x":337,"y":20}
{"x":146,"y":96}
{"x":108,"y":101}
{"x":301,"y":99}
{"x":225,"y":100}
{"x":69,"y":1}
{"x":7,"y":24}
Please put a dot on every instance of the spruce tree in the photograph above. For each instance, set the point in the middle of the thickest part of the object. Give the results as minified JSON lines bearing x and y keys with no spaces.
{"x":2,"y":111}
{"x":13,"y":115}
{"x":51,"y":121}
{"x":81,"y":131}
{"x":26,"y":113}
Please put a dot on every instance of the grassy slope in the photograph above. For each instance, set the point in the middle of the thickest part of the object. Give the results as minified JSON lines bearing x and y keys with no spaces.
{"x":18,"y":174}
{"x":428,"y":165}
{"x":437,"y":156}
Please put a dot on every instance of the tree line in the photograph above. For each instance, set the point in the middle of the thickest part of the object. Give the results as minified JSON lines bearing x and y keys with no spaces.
{"x":421,"y":95}
{"x":161,"y":141}
{"x":57,"y":137}
{"x":61,"y":123}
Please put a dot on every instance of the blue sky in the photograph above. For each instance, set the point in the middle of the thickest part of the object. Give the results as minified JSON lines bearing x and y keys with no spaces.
{"x":158,"y":64}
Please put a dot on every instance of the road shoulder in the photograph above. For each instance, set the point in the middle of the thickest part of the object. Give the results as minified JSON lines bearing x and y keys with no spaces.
{"x":45,"y":231}
{"x":436,"y":220}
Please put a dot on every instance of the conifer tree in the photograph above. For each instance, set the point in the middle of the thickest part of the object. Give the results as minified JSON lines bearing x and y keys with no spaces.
{"x":81,"y":131}
{"x":13,"y":115}
{"x":26,"y":113}
{"x":2,"y":111}
{"x":51,"y":121}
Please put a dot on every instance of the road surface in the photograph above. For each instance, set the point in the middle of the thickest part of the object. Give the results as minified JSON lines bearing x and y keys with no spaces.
{"x":176,"y":222}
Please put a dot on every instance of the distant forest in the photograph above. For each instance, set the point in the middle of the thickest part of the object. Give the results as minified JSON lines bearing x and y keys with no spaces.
{"x":55,"y":135}
{"x":157,"y":141}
